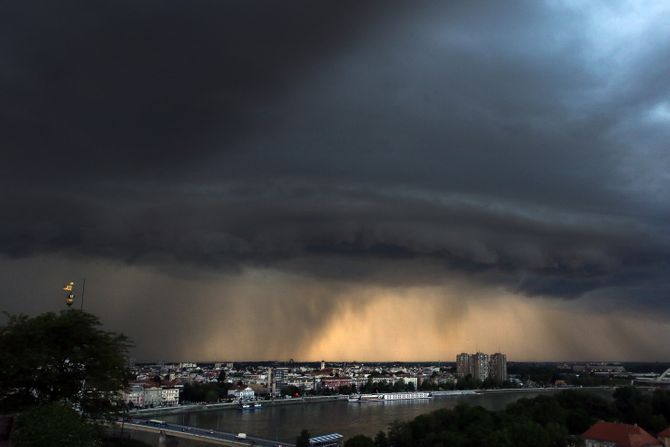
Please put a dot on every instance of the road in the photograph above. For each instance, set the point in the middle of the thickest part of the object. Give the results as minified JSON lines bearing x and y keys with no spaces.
{"x":200,"y":434}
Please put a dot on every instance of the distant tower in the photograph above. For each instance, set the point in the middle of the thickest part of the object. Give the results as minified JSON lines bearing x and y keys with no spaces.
{"x":323,"y":364}
{"x":464,"y":366}
{"x":498,"y":367}
{"x":480,"y":366}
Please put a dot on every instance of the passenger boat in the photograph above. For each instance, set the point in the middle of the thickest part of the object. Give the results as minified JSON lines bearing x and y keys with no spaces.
{"x":249,"y":405}
{"x":385,"y":397}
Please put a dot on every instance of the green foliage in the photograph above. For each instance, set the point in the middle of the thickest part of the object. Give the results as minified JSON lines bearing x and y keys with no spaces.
{"x":381,"y":440}
{"x":204,"y":392}
{"x":54,"y":425}
{"x":62,"y":357}
{"x":542,"y":410}
{"x":386,"y":387}
{"x":544,"y":421}
{"x":303,"y":439}
{"x":359,"y":441}
{"x":118,"y":442}
{"x":347,"y":389}
{"x":536,"y":372}
{"x":468,"y":383}
{"x":291,"y":390}
{"x":660,"y":402}
{"x":649,"y":412}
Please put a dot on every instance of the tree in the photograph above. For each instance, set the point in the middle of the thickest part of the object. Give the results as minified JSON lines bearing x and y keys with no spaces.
{"x":381,"y":440}
{"x":661,"y":403}
{"x":303,"y":439}
{"x":359,"y":441}
{"x":346,"y":389}
{"x":204,"y":392}
{"x":62,"y":357}
{"x":290,"y":390}
{"x":54,"y":425}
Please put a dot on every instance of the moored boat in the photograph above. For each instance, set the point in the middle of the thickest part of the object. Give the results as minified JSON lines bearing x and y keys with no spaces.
{"x":383,"y":397}
{"x":248,"y":405}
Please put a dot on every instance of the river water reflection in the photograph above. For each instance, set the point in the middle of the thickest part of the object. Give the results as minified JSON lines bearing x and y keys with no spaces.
{"x":284,"y":422}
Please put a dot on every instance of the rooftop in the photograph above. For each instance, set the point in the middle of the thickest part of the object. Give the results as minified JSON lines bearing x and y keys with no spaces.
{"x":623,"y":435}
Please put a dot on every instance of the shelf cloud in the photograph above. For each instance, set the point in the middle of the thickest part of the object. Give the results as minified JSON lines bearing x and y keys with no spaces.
{"x":338,"y":158}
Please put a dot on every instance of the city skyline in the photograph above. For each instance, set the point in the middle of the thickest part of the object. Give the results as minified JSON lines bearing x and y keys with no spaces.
{"x":342,"y":179}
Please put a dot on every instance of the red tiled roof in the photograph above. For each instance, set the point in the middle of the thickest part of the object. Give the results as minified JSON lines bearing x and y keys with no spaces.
{"x":665,"y":433}
{"x":623,"y":435}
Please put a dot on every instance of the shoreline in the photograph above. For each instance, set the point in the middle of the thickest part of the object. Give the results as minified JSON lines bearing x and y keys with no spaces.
{"x":234,"y":405}
{"x":342,"y":397}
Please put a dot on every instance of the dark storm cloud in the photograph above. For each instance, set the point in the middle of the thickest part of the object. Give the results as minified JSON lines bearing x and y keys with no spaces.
{"x":518,"y":143}
{"x":138,"y":87}
{"x":350,"y":234}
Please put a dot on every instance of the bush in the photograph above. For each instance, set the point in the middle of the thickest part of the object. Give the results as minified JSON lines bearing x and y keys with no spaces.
{"x":54,"y":425}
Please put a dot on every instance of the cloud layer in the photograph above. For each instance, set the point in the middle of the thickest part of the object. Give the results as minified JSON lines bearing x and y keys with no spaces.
{"x":517,"y":147}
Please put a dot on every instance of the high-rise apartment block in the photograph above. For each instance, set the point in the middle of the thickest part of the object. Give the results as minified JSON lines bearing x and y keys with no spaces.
{"x":482,"y":366}
{"x":498,"y":367}
{"x":277,"y":379}
{"x":463,"y":365}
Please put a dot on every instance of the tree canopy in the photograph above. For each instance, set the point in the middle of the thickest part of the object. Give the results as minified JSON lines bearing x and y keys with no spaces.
{"x":544,"y":421}
{"x":54,"y":425}
{"x":303,"y":439}
{"x":62,"y":357}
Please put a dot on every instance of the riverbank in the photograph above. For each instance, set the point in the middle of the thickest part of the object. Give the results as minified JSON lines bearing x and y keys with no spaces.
{"x":539,"y":390}
{"x":340,"y":397}
{"x":285,"y":421}
{"x":234,"y":405}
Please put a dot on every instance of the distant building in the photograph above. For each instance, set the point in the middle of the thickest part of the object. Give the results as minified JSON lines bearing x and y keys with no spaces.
{"x":333,"y":383}
{"x":278,"y":380}
{"x":243,"y":394}
{"x":135,"y":395}
{"x":480,"y":366}
{"x":187,"y":365}
{"x":152,"y":396}
{"x":601,"y":368}
{"x":463,"y":365}
{"x":407,"y":380}
{"x":169,"y":396}
{"x":142,"y":395}
{"x":498,"y":367}
{"x":610,"y":434}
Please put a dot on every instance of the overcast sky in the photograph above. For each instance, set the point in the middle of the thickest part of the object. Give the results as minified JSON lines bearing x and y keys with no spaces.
{"x":377,"y":180}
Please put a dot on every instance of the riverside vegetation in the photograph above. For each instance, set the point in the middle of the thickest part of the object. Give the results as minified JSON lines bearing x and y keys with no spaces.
{"x":544,"y":421}
{"x":60,"y":374}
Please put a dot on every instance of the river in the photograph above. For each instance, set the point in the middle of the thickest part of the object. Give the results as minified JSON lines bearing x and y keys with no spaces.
{"x":284,"y":422}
